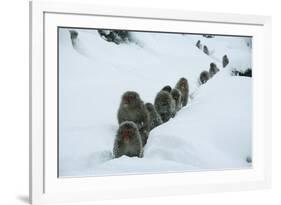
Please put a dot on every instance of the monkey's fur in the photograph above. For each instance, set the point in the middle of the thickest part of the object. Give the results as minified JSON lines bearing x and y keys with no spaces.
{"x":132,"y":109}
{"x":155,"y":119}
{"x":206,"y":50}
{"x":204,"y":77}
{"x":213,"y":69}
{"x":183,"y":86}
{"x":225,"y":61}
{"x":167,"y":88}
{"x":165,"y":105}
{"x":128,"y":141}
{"x":176,"y":95}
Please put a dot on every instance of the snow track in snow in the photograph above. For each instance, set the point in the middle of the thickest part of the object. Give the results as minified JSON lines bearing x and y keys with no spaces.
{"x":212,"y":132}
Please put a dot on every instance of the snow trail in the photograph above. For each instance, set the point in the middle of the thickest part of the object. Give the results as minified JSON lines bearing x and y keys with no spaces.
{"x":207,"y":134}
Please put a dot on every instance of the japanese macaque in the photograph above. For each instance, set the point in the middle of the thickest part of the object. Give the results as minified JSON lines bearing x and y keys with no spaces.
{"x":206,"y":50}
{"x":73,"y":36}
{"x":128,"y":141}
{"x":249,"y":159}
{"x":177,"y":96}
{"x":204,"y":77}
{"x":115,"y":36}
{"x":225,"y":61}
{"x":165,"y":105}
{"x":155,"y":119}
{"x":213,"y":69}
{"x":183,"y":86}
{"x":132,"y":109}
{"x":198,"y":44}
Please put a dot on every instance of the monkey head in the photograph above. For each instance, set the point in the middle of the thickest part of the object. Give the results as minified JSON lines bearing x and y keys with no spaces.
{"x":167,"y":88}
{"x":149,"y":106}
{"x":130,"y":99}
{"x":183,"y":83}
{"x":73,"y":34}
{"x":127,"y":131}
{"x":213,"y":65}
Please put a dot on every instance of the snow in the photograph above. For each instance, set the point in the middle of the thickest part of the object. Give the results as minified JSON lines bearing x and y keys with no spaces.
{"x":212,"y":133}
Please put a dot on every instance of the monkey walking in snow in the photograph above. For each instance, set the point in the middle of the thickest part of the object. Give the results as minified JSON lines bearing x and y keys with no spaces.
{"x":183,"y":86}
{"x":132,"y":109}
{"x":128,"y":141}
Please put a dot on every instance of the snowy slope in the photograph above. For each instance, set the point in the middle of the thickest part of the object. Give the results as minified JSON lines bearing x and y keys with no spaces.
{"x":93,"y":74}
{"x":237,"y":49}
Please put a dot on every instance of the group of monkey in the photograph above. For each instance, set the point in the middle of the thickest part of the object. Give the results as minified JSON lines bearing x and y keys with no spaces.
{"x":136,"y":119}
{"x":206,"y":75}
{"x":205,"y":48}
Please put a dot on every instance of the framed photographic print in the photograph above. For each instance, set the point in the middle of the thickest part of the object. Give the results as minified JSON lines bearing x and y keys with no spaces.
{"x":129,"y":102}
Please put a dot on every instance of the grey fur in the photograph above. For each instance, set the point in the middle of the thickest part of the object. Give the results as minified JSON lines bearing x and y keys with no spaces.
{"x":132,"y":145}
{"x":132,"y":109}
{"x":183,"y":86}
{"x":165,"y":105}
{"x":155,"y":119}
{"x":225,"y":61}
{"x":177,"y":96}
{"x":204,"y":77}
{"x":167,"y":88}
{"x":213,"y":69}
{"x":206,"y":50}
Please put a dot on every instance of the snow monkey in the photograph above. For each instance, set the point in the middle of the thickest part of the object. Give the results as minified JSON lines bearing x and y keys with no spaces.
{"x":115,"y":36}
{"x":167,"y":88}
{"x":213,"y":69}
{"x":199,"y":45}
{"x":155,"y":119}
{"x":128,"y":141}
{"x":206,"y":50}
{"x":165,"y":105}
{"x":204,"y":77}
{"x":132,"y":109}
{"x":225,"y":61}
{"x":176,"y":95}
{"x":183,"y":86}
{"x":73,"y":36}
{"x":249,"y":159}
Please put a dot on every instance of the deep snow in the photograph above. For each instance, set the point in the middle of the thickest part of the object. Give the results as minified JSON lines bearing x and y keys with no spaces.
{"x":212,"y":132}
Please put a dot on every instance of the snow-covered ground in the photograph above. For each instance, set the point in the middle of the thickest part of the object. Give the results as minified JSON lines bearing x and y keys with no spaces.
{"x":213,"y":132}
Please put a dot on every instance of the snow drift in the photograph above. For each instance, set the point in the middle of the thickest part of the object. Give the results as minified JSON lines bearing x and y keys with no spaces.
{"x":213,"y":132}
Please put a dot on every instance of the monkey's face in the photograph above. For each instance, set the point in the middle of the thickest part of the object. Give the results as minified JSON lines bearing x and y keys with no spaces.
{"x":130,"y":99}
{"x":183,"y":84}
{"x":126,"y":135}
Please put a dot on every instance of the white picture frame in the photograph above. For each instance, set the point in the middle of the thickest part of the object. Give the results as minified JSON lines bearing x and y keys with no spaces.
{"x":46,"y":187}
